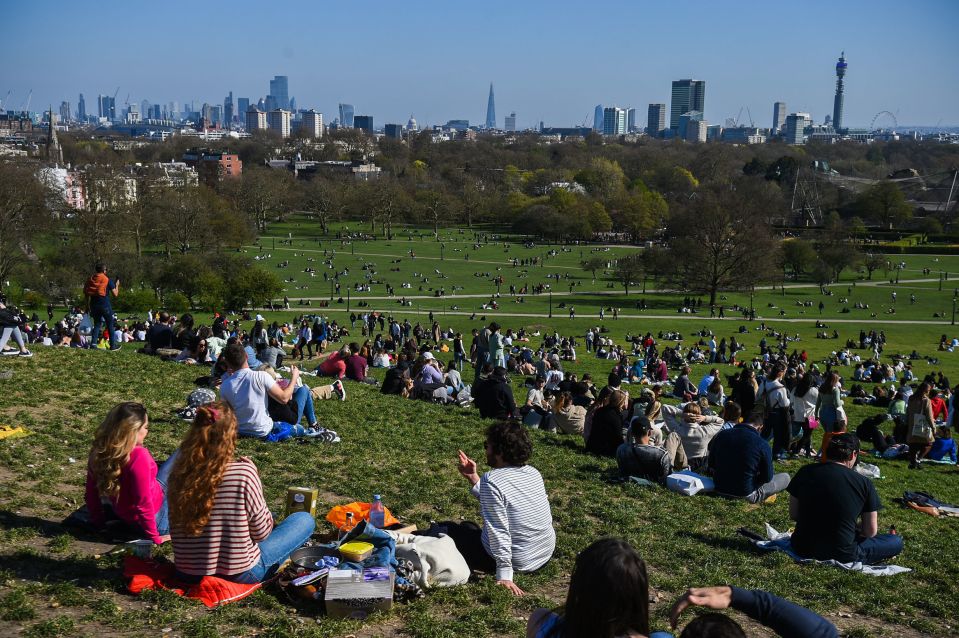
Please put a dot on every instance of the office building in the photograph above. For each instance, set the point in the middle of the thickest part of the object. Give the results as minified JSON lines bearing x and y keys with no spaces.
{"x":779,"y":116}
{"x":228,"y":110}
{"x":598,"y":118}
{"x":65,"y":114}
{"x":490,"y":109}
{"x":688,"y":95}
{"x":242,"y":106}
{"x":346,"y":115}
{"x":614,"y":121}
{"x":255,"y":119}
{"x":394,"y":131}
{"x":630,"y":120}
{"x":795,"y":130}
{"x":364,"y":123}
{"x":714,"y":132}
{"x":81,"y":109}
{"x":744,"y":135}
{"x":695,"y":130}
{"x":656,"y":119}
{"x":840,"y":87}
{"x":156,"y":113}
{"x":312,"y":123}
{"x":685,"y":119}
{"x":107,"y":107}
{"x":279,"y":93}
{"x":458,"y":125}
{"x":511,"y":122}
{"x":278,"y":120}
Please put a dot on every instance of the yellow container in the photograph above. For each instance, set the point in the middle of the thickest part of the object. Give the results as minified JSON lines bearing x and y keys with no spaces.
{"x":356,"y":551}
{"x":301,"y":499}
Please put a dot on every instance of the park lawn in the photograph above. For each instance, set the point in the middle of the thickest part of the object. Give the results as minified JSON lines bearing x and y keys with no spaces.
{"x":50,"y":584}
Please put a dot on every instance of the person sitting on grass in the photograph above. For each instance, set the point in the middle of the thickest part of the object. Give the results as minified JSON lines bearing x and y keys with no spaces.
{"x":10,"y":327}
{"x":605,"y":433}
{"x":517,"y":533}
{"x":741,"y":463}
{"x":684,"y":389}
{"x":248,"y":393}
{"x":836,"y":509}
{"x":694,"y":428}
{"x":493,"y":396}
{"x":568,"y":417}
{"x":121,"y":470}
{"x":195,"y":353}
{"x":335,"y":364}
{"x":944,"y":446}
{"x":642,"y":459}
{"x":608,"y":597}
{"x":357,"y":365}
{"x":219,"y":520}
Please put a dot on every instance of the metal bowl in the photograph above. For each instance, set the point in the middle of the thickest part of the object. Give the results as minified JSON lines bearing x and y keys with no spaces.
{"x":306,"y":557}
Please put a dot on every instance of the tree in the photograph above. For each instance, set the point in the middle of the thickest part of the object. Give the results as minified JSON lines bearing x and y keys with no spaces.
{"x":325,"y":200}
{"x":872,"y":262}
{"x":721,"y":241}
{"x":593,"y":264}
{"x":263,"y":193}
{"x":434,"y":204}
{"x":929,"y":226}
{"x":885,"y":204}
{"x":604,"y":179}
{"x":798,"y":255}
{"x":642,"y":213}
{"x":630,"y":269}
{"x":23,"y":214}
{"x":835,"y":256}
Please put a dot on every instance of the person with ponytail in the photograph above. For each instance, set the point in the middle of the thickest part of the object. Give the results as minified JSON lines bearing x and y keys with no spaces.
{"x":219,"y":520}
{"x":121,"y":470}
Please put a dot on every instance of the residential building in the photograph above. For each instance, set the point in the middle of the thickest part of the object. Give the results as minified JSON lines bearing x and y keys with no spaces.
{"x":688,"y":95}
{"x":394,"y":131}
{"x":213,"y":166}
{"x":656,"y":119}
{"x":696,"y":131}
{"x":779,"y":116}
{"x":795,"y":130}
{"x":346,"y":115}
{"x":363,"y":122}
{"x":685,"y":119}
{"x":614,"y":121}
{"x":490,"y":109}
{"x":511,"y":122}
{"x":279,"y":120}
{"x":312,"y":123}
{"x":255,"y":119}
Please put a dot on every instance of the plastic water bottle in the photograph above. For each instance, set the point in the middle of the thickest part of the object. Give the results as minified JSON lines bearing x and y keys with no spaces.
{"x":377,"y":513}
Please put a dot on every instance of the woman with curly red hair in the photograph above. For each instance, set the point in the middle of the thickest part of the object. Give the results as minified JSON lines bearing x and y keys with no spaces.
{"x":219,"y":520}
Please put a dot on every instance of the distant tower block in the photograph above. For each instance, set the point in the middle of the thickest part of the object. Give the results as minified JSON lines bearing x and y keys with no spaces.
{"x":837,"y":103}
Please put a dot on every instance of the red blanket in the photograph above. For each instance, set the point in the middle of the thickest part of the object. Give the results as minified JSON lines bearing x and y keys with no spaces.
{"x":211,"y":591}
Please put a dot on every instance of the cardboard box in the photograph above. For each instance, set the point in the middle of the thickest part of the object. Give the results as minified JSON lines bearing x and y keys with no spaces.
{"x":301,"y":499}
{"x":356,"y":594}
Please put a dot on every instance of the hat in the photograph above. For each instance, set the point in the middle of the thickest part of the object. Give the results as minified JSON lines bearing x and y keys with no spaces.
{"x":259,"y":317}
{"x":200,"y":396}
{"x":428,"y":355}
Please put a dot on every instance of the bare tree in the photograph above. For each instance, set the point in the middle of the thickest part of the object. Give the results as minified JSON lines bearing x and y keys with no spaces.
{"x":24,"y":211}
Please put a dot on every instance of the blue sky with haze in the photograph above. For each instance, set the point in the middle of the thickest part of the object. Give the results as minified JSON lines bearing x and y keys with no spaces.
{"x":551,"y":61}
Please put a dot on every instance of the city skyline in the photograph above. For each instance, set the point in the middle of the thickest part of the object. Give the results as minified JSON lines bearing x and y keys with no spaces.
{"x":897,"y":60}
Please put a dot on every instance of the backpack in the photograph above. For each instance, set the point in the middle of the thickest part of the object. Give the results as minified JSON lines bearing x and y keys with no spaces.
{"x":96,"y":285}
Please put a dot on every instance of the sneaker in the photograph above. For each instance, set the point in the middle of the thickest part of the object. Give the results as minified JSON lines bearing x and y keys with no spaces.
{"x":115,"y":348}
{"x":10,"y":353}
{"x":322,"y":434}
{"x":339,"y":390}
{"x":26,"y":353}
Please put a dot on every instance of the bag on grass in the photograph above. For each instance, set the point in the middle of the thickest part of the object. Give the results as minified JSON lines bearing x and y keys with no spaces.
{"x":360,"y":511}
{"x":921,"y":428}
{"x":689,"y":483}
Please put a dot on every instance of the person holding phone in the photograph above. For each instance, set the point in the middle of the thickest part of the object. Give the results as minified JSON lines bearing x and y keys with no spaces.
{"x":98,"y":290}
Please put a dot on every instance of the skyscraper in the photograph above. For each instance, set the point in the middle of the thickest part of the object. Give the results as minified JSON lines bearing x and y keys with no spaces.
{"x":490,"y":109}
{"x":228,"y":110}
{"x":511,"y":122}
{"x":656,"y":119}
{"x":598,"y":118}
{"x":280,"y":92}
{"x":107,"y":107}
{"x":685,"y":128}
{"x":688,"y":95}
{"x":630,"y":120}
{"x":779,"y":116}
{"x":242,"y":105}
{"x":614,"y":121}
{"x":837,"y":102}
{"x":81,"y":109}
{"x":364,"y":123}
{"x":346,"y":115}
{"x":65,"y":114}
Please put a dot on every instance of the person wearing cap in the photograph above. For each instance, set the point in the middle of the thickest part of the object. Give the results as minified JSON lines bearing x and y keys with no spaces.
{"x":493,"y":396}
{"x":430,"y":376}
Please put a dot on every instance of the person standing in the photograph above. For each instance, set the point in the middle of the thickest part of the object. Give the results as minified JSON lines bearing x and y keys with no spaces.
{"x":829,"y":402}
{"x":775,"y":398}
{"x":919,"y":425}
{"x":98,"y":290}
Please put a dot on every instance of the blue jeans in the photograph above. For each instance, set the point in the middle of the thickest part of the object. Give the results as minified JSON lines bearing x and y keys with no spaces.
{"x":163,"y":477}
{"x":879,"y":548}
{"x":102,"y":315}
{"x":304,"y":405}
{"x":277,"y":547}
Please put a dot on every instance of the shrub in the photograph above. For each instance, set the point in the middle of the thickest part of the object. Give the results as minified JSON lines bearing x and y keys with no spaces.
{"x":176,"y":302}
{"x":33,"y":300}
{"x":136,"y":300}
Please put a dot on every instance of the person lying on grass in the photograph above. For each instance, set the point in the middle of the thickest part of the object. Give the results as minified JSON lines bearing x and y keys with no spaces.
{"x":517,"y":533}
{"x":219,"y":521}
{"x":608,"y":597}
{"x":122,"y":471}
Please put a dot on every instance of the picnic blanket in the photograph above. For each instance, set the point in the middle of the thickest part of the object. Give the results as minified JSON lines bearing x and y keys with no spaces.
{"x":153,"y":574}
{"x":779,"y":541}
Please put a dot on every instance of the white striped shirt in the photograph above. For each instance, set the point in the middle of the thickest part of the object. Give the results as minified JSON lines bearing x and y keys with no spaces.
{"x":517,"y":520}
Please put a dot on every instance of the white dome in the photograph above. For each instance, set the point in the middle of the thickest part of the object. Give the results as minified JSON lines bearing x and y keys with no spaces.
{"x":411,"y":125}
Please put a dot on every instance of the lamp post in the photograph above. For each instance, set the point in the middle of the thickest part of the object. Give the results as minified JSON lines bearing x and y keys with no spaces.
{"x":550,"y":304}
{"x":953,"y":311}
{"x":331,"y":290}
{"x":940,"y":281}
{"x":347,"y":298}
{"x":442,"y":248}
{"x":752,"y":312}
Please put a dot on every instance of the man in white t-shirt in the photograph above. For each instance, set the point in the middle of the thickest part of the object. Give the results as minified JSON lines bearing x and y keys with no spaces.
{"x":248,"y":392}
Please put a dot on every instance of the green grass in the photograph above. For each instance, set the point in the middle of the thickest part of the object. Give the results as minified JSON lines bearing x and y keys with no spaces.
{"x":51,"y":584}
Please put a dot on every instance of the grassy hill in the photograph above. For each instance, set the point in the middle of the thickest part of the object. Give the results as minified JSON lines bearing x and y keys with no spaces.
{"x":52,"y":584}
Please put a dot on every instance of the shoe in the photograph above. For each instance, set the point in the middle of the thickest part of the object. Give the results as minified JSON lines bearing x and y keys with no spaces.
{"x":10,"y":353}
{"x":913,"y":465}
{"x":115,"y":348}
{"x":26,"y":354}
{"x":322,"y":434}
{"x":339,"y":390}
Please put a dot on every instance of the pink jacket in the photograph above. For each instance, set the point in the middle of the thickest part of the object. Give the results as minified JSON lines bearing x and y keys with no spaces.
{"x":140,"y":494}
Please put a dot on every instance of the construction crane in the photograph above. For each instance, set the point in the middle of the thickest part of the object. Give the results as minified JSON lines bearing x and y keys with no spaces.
{"x":11,"y":90}
{"x":24,"y":109}
{"x":749,"y":113}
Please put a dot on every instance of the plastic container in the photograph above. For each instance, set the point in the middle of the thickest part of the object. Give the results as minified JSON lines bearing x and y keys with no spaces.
{"x":377,"y":513}
{"x":356,"y":551}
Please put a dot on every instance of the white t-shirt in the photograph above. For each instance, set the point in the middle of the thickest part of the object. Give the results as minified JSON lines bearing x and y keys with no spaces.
{"x":247,"y":391}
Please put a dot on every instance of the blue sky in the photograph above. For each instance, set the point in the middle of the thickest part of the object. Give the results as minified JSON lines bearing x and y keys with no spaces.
{"x":549,"y":60}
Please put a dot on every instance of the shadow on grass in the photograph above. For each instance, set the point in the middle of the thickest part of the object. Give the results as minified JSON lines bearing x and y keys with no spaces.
{"x":50,"y":529}
{"x":80,"y":571}
{"x":738,"y":543}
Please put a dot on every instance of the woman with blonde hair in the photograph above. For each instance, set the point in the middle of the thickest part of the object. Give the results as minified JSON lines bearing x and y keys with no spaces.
{"x":219,"y":520}
{"x":122,"y":471}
